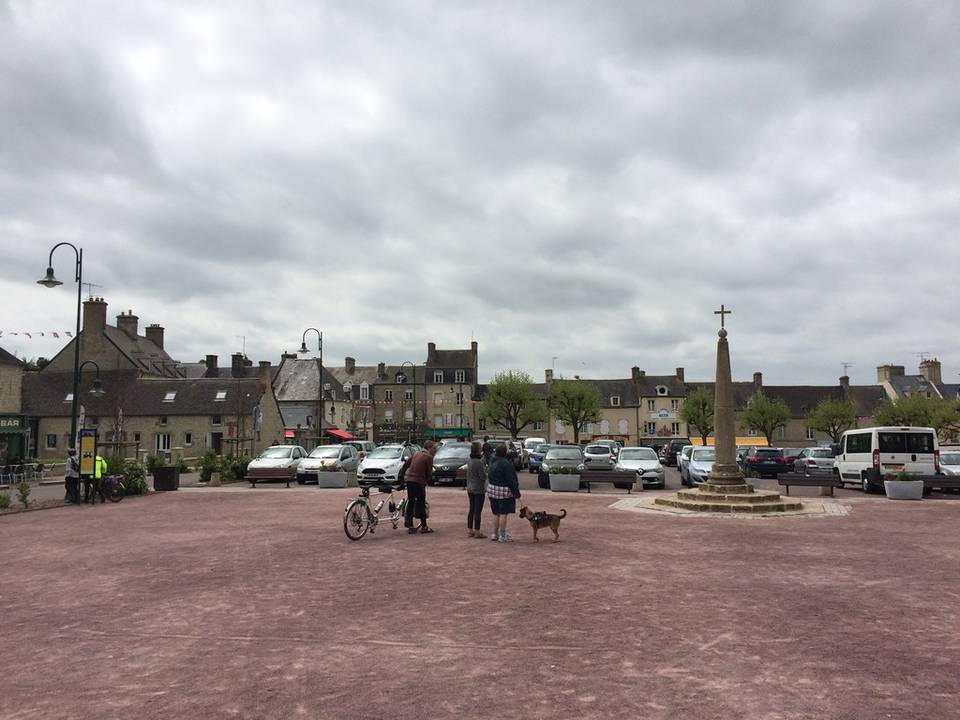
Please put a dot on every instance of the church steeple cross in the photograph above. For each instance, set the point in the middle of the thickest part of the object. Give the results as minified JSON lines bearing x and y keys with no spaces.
{"x":722,"y":312}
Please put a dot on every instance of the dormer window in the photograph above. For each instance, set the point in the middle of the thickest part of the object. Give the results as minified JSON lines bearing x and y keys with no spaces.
{"x":170,"y":396}
{"x":68,"y":398}
{"x":347,"y":389}
{"x":364,"y":391}
{"x":661,"y":390}
{"x":460,"y":376}
{"x":220,"y":396}
{"x":615,"y":401}
{"x":438,"y":376}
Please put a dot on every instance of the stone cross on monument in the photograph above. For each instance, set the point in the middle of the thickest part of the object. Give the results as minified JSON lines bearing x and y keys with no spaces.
{"x":725,"y":468}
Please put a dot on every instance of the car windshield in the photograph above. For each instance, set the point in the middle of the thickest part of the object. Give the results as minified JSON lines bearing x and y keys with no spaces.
{"x":276,"y":452}
{"x":453,"y":451}
{"x":638,"y":454}
{"x":330,"y":451}
{"x":769,"y":453}
{"x":541,"y":448}
{"x":563,"y":454}
{"x":952,"y":458}
{"x":704,"y":454}
{"x":597,"y":449}
{"x":821,"y":453}
{"x":386,"y":452}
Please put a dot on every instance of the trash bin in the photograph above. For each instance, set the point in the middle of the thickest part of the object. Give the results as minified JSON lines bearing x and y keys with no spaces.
{"x":166,"y":478}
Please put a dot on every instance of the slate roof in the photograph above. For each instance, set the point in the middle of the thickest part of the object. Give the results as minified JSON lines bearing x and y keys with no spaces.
{"x":949,"y":391}
{"x":625,"y":389}
{"x":199,"y":370}
{"x":647,"y":385}
{"x":909,"y":384}
{"x":143,"y":353}
{"x":44,"y":395}
{"x":294,"y":415}
{"x":298,"y":381}
{"x":865,"y":398}
{"x":451,"y":359}
{"x":8,"y":358}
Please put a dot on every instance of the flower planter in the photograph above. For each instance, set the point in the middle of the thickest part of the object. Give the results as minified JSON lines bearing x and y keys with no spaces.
{"x":332,"y":479}
{"x":904,"y":489}
{"x":564,"y":483}
{"x":166,"y":478}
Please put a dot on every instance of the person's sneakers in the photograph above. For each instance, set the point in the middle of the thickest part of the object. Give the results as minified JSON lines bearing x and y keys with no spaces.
{"x":506,"y":537}
{"x":479,"y":534}
{"x":495,"y":536}
{"x":470,"y":533}
{"x":425,"y":530}
{"x":411,"y":531}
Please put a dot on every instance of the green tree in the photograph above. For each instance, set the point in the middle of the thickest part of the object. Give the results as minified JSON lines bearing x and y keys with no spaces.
{"x":832,"y":416}
{"x":697,"y":412}
{"x":575,"y":403}
{"x":510,"y":402}
{"x":765,"y":414}
{"x":920,"y":411}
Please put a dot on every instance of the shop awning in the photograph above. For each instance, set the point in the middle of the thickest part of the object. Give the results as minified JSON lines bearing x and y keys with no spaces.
{"x":755,"y":441}
{"x":12,"y":424}
{"x":340,"y":434}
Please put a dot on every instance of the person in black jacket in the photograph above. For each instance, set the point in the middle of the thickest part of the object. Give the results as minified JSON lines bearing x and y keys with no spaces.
{"x":503,"y":489}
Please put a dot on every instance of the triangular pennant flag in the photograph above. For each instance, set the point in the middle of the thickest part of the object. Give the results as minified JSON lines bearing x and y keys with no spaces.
{"x":56,"y":335}
{"x":29,"y":335}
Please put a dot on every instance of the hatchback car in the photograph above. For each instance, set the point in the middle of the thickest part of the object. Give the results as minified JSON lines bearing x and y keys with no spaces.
{"x":700,"y":465}
{"x":598,"y":457}
{"x":560,"y":458}
{"x":819,"y":460}
{"x":450,"y":464}
{"x":363,"y":446}
{"x":645,"y":462}
{"x":277,"y":462}
{"x":950,"y":461}
{"x":683,"y":460}
{"x":612,"y":444}
{"x":765,"y":462}
{"x":535,"y":456}
{"x":669,"y":453}
{"x":385,"y":465}
{"x":325,"y":458}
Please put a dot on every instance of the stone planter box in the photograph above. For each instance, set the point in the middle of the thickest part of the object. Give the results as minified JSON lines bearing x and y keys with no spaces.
{"x":166,"y":478}
{"x":564,"y":483}
{"x":332,"y":479}
{"x":904,"y":489}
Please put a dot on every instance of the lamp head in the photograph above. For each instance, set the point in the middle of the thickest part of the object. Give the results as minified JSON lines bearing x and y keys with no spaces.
{"x":97,"y":390}
{"x":303,"y":347}
{"x":49,"y":281}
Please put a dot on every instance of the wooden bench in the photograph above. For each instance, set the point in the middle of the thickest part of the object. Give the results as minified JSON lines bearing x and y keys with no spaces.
{"x":266,"y":474}
{"x":622,"y":480}
{"x":810,"y":479}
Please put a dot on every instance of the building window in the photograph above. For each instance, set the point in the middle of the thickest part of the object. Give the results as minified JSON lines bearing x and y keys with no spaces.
{"x":163,"y":442}
{"x":751,"y":432}
{"x":651,"y":405}
{"x":220,"y":396}
{"x":388,"y":395}
{"x":388,"y":415}
{"x":364,"y":391}
{"x":460,"y":376}
{"x":438,"y":399}
{"x":783,"y":433}
{"x":459,"y":398}
{"x":651,"y":428}
{"x":675,"y":428}
{"x":811,"y":434}
{"x":68,"y":398}
{"x":538,"y":426}
{"x":93,"y":420}
{"x":408,"y":394}
{"x":170,"y":396}
{"x":408,"y":415}
{"x":438,"y":376}
{"x":615,"y":401}
{"x":216,"y":420}
{"x":51,"y":441}
{"x":136,"y":437}
{"x":448,"y":418}
{"x":438,"y":420}
{"x":483,"y":423}
{"x":163,"y":420}
{"x":188,"y":439}
{"x":674,"y":404}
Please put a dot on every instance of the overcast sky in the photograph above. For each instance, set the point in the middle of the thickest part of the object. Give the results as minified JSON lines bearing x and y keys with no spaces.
{"x":579,"y":181}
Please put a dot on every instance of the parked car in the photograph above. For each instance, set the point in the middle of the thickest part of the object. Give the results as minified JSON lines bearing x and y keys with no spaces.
{"x":950,"y":461}
{"x":612,"y":444}
{"x":535,"y":456}
{"x":814,"y":459}
{"x":598,"y":457}
{"x":790,"y":455}
{"x":559,"y":457}
{"x":277,"y":462}
{"x":385,"y":465}
{"x":516,"y":454}
{"x":765,"y":462}
{"x":683,"y":460}
{"x":327,"y":457}
{"x":700,"y":465}
{"x":669,"y":453}
{"x":531,"y":442}
{"x":742,"y":451}
{"x":645,"y":463}
{"x":450,"y":464}
{"x":363,"y":446}
{"x":867,"y":454}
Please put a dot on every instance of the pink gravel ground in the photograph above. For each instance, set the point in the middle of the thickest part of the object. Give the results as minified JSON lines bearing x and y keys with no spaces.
{"x":253,"y":604}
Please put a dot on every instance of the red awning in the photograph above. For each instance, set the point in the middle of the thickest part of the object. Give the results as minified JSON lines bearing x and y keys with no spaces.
{"x":333,"y":432}
{"x":289,"y":433}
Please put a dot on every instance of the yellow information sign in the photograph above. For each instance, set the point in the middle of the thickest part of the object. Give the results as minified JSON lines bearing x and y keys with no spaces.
{"x":88,"y":452}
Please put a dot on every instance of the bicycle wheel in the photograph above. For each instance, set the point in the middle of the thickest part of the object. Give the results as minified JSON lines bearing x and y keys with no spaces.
{"x":356,"y":520}
{"x":116,"y":491}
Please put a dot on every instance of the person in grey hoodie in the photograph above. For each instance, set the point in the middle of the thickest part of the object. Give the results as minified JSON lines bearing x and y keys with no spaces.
{"x":476,"y":487}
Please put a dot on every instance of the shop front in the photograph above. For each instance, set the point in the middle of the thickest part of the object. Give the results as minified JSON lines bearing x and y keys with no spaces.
{"x":14,"y":438}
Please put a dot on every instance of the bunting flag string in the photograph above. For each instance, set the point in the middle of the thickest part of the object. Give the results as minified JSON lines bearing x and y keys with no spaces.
{"x":54,"y":333}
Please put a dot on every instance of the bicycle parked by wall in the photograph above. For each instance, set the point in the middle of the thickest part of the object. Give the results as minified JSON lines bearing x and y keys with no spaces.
{"x":113,"y":488}
{"x":359,"y":517}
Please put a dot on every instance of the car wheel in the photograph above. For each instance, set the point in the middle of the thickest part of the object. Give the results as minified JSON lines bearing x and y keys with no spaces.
{"x":543,"y":483}
{"x":865,"y":485}
{"x":301,"y":482}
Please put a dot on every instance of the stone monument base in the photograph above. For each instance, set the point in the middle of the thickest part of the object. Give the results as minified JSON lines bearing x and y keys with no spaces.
{"x":730,"y":498}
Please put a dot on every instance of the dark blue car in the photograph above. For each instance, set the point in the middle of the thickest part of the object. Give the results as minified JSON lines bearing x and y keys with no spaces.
{"x":535,"y":457}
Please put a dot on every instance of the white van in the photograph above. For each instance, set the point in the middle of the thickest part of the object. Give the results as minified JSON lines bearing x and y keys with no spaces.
{"x":530,"y":443}
{"x":867,"y":454}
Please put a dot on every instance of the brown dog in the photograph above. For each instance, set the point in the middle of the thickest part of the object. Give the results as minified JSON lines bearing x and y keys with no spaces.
{"x":541,"y":520}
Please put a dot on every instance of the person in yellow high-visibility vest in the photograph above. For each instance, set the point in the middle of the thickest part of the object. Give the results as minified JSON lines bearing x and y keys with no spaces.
{"x":96,"y":486}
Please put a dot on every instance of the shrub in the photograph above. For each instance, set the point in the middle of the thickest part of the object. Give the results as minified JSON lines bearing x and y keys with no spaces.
{"x":135,"y":478}
{"x":155,"y":461}
{"x":4,"y":501}
{"x":115,"y":464}
{"x":23,"y":492}
{"x":182,"y":466}
{"x":233,"y":467}
{"x":209,"y":464}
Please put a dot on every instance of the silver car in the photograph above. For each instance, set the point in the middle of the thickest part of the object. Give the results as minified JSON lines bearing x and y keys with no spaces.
{"x":324,"y":458}
{"x":683,"y":459}
{"x":817,"y":460}
{"x":598,"y":457}
{"x":950,"y":462}
{"x":645,"y":462}
{"x":700,"y":465}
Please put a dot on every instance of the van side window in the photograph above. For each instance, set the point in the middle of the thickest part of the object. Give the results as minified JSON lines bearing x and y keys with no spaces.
{"x":858,"y":443}
{"x":892,"y":442}
{"x":919,"y":442}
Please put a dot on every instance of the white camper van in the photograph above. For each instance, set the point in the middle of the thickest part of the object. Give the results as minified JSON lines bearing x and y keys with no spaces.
{"x":867,"y":454}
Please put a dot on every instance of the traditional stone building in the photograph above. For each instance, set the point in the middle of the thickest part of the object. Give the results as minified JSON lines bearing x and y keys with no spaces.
{"x":13,"y":428}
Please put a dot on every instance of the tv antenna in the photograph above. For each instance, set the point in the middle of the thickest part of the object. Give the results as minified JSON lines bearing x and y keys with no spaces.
{"x":90,"y":287}
{"x":846,"y":367}
{"x":243,"y":343}
{"x":922,"y":355}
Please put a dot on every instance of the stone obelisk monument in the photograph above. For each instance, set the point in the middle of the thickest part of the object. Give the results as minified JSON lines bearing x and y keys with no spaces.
{"x":725,"y":489}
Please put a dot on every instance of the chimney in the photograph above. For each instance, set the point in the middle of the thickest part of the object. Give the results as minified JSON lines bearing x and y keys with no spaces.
{"x":236,"y":365}
{"x":473,"y":347}
{"x":211,"y":366}
{"x":154,"y":334}
{"x":350,"y":364}
{"x":94,"y":316}
{"x":288,"y":356}
{"x":548,"y":374}
{"x":431,"y":353}
{"x":128,"y":323}
{"x":845,"y":383}
{"x":266,"y":379}
{"x":757,"y":380}
{"x":930,"y":369}
{"x":680,"y":374}
{"x":381,"y":370}
{"x":885,"y":372}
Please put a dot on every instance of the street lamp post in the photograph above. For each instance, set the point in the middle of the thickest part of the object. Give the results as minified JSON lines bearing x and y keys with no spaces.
{"x":413,"y":367}
{"x":97,"y":389}
{"x":50,"y":281}
{"x":303,"y":349}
